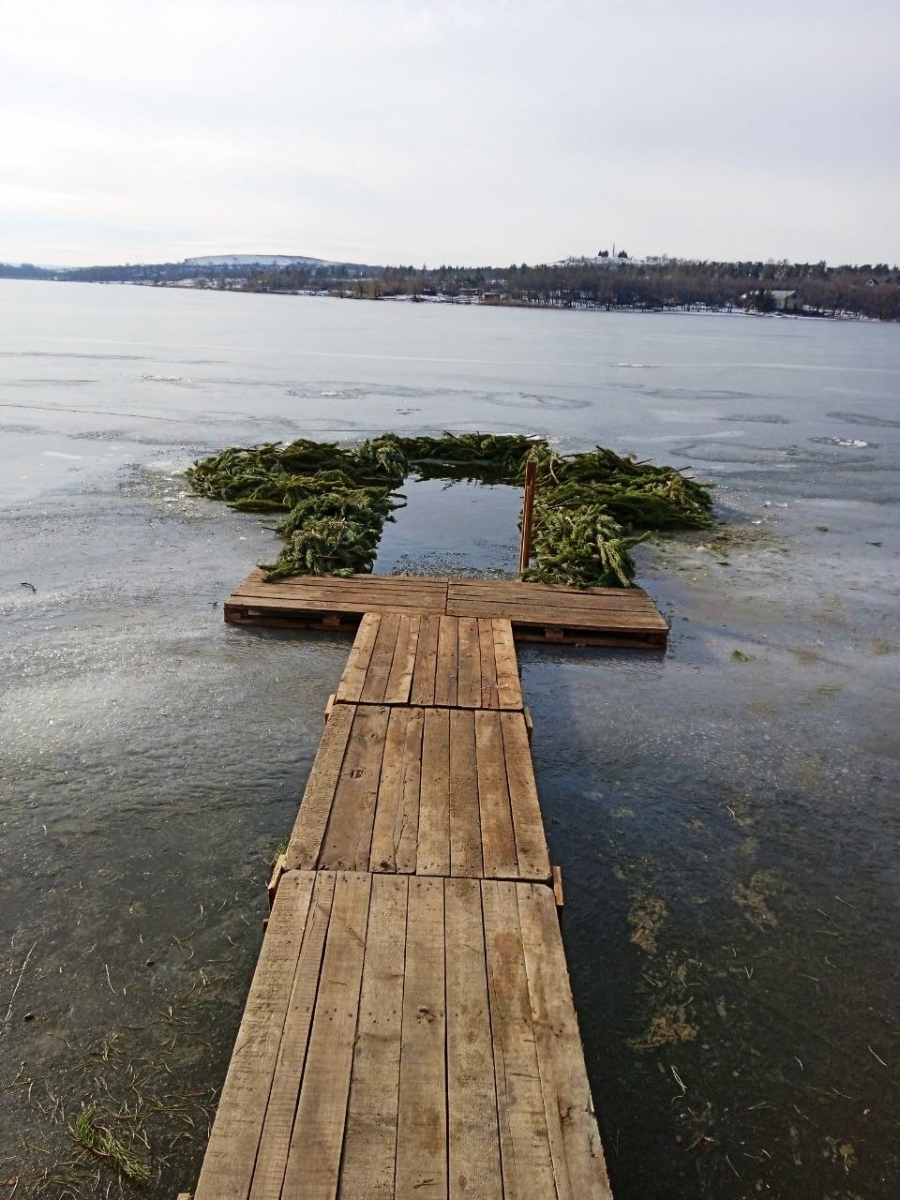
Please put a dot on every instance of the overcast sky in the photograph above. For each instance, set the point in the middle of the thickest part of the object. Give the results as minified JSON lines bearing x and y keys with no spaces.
{"x":465,"y":131}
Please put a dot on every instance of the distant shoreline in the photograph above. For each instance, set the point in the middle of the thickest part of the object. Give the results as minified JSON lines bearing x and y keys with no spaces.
{"x":698,"y":309}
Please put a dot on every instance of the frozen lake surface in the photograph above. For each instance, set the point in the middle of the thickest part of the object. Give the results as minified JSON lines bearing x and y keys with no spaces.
{"x":726,"y":815}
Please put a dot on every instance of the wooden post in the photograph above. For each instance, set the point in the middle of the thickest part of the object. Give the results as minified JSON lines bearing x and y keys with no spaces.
{"x":527,"y":516}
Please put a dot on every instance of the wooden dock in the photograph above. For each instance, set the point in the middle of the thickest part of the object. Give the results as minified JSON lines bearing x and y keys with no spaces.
{"x":407,"y":1037}
{"x":410,"y":1030}
{"x":433,"y":660}
{"x":539,"y":613}
{"x":422,"y":791}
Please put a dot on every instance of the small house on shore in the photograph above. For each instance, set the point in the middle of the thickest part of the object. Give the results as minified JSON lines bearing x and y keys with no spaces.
{"x":785,"y":300}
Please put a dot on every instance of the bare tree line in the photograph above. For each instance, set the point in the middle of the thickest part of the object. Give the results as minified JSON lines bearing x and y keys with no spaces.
{"x":868,"y":290}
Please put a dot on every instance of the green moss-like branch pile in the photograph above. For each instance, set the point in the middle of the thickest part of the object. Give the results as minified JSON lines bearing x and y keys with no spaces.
{"x":590,"y":510}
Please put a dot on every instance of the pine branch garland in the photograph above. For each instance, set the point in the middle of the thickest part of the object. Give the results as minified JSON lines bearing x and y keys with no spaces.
{"x":592,"y":508}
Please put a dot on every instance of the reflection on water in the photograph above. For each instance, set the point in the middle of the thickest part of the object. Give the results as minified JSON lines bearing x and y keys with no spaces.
{"x":724,"y":815}
{"x":453,"y":528}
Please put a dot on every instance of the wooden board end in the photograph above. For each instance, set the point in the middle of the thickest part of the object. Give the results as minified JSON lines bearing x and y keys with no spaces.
{"x":278,"y":870}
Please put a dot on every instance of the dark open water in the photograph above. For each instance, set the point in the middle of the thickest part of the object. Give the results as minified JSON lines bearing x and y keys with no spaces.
{"x":727,"y":826}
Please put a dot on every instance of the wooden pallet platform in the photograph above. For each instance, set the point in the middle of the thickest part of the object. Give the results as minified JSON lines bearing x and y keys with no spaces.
{"x":589,"y":616}
{"x":538,"y":612}
{"x":407,"y":1037}
{"x":330,"y":602}
{"x":453,"y":662}
{"x":422,"y":791}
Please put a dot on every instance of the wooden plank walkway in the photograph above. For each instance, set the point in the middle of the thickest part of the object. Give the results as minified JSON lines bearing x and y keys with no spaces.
{"x":587,"y":616}
{"x":432,"y":660}
{"x":407,"y":1037}
{"x":330,"y":602}
{"x":422,"y":791}
{"x":538,"y":612}
{"x":410,"y":1030}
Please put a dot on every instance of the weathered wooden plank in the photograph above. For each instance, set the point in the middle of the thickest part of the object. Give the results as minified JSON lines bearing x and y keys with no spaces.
{"x":312,"y":819}
{"x":318,"y":586}
{"x":383,"y":850}
{"x":370,"y":1143}
{"x":381,"y":659}
{"x":465,"y":816}
{"x":407,"y":838}
{"x":497,"y":604}
{"x":496,"y":591}
{"x":315,"y":1154}
{"x":445,"y":682}
{"x":400,"y":680}
{"x":528,"y":828}
{"x":473,"y":1134}
{"x":422,"y":1120}
{"x":512,"y":589}
{"x":394,"y":835}
{"x":346,"y":601}
{"x":498,"y":844}
{"x":524,"y":1142}
{"x":434,"y":800}
{"x":509,"y":686}
{"x":339,"y":592}
{"x":271,"y":1160}
{"x":469,"y":677}
{"x":354,"y":676}
{"x":231,"y":1153}
{"x":422,"y":690}
{"x":489,"y":694}
{"x":348,"y":837}
{"x":558,"y":615}
{"x":574,"y":1139}
{"x":257,"y":575}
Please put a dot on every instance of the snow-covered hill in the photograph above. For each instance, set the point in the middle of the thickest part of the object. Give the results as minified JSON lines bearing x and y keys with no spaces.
{"x":258,"y":260}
